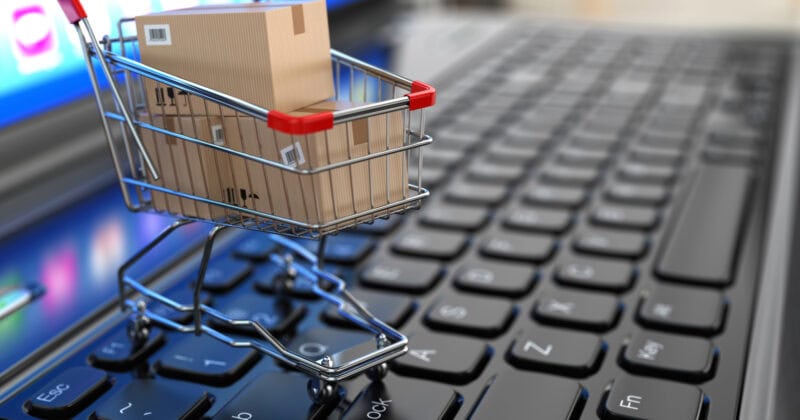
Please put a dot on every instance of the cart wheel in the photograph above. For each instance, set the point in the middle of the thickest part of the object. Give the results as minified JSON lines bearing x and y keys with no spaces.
{"x":322,"y":391}
{"x":378,"y":372}
{"x":139,"y":325}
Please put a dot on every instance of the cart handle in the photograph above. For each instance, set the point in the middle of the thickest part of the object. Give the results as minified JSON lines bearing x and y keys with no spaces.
{"x":73,"y":9}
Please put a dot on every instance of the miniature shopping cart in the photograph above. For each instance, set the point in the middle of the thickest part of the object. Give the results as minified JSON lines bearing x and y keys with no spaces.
{"x":179,"y":165}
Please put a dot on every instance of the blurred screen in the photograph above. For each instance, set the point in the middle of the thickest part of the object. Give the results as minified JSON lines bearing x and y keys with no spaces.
{"x":41,"y":64}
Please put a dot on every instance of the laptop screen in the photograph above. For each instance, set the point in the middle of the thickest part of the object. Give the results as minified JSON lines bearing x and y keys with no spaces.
{"x":41,"y":64}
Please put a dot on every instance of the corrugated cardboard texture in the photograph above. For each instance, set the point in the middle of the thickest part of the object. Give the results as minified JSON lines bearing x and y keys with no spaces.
{"x":268,"y":54}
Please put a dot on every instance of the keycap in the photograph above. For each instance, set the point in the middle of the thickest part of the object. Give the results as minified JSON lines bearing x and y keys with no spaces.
{"x":510,"y":396}
{"x":154,"y":399}
{"x":431,"y":177}
{"x":68,"y":393}
{"x":662,"y":140}
{"x":402,"y":274}
{"x":381,"y":226}
{"x":595,"y":273}
{"x":400,"y":399}
{"x":506,"y":153}
{"x":443,"y":358}
{"x":637,"y":194}
{"x":557,"y":351}
{"x":556,"y":196}
{"x":120,"y":353}
{"x":254,"y":246}
{"x":288,"y":401}
{"x":527,"y":247}
{"x":683,"y":309}
{"x":624,"y":216}
{"x":206,"y":360}
{"x":538,"y":219}
{"x":593,"y":140}
{"x":498,"y":278}
{"x":269,"y":278}
{"x":611,"y":243}
{"x":482,"y":170}
{"x":430,"y":243}
{"x":656,"y":155}
{"x":572,"y":176}
{"x":345,"y":248}
{"x":669,"y":356}
{"x":476,"y":193}
{"x":480,"y":316}
{"x":632,"y":397}
{"x":223,"y":274}
{"x":392,"y":309}
{"x":459,"y":217}
{"x":574,"y":156}
{"x":730,"y":156}
{"x":441,"y":157}
{"x":646,"y":173}
{"x":320,"y":341}
{"x":277,"y":315}
{"x":590,"y":311}
{"x":701,"y":247}
{"x":182,"y":295}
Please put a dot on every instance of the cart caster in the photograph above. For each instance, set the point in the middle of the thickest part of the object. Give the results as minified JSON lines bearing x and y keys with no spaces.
{"x":378,"y":372}
{"x":139,"y":325}
{"x":322,"y":391}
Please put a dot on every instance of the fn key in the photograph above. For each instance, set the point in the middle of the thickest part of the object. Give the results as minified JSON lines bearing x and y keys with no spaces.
{"x":652,"y":399}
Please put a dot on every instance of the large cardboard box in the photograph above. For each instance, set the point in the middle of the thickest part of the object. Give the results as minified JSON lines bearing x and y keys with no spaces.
{"x":273,"y":54}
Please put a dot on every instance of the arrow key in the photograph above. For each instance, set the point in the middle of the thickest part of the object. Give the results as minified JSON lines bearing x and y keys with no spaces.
{"x":443,"y":358}
{"x":557,"y":351}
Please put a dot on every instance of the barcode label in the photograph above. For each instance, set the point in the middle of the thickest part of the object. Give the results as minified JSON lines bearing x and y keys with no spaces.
{"x":218,"y":135}
{"x":293,"y":155}
{"x":157,"y":35}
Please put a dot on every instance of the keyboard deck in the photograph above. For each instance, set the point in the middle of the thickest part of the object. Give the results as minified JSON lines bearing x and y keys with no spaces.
{"x":590,"y":251}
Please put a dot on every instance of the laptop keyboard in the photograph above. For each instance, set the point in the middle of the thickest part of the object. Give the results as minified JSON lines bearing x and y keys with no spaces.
{"x":590,"y":251}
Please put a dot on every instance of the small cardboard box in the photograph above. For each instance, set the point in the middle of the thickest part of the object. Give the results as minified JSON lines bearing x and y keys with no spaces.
{"x":274,"y":54}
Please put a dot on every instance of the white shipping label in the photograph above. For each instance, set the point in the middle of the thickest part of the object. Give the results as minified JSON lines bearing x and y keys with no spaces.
{"x":218,"y":135}
{"x":293,"y":155}
{"x":157,"y":35}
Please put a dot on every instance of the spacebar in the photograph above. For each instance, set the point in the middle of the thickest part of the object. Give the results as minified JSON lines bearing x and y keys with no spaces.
{"x":702,"y":245}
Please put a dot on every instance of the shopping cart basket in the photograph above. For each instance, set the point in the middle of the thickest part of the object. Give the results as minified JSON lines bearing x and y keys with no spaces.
{"x":180,"y":167}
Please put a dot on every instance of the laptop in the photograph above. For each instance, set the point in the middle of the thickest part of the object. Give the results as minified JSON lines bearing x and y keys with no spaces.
{"x":609,"y":235}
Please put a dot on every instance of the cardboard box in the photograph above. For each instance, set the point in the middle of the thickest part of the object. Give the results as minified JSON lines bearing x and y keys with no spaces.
{"x":274,"y":54}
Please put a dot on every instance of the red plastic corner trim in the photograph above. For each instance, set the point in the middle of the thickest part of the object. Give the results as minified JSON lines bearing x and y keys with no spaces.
{"x":422,"y":95}
{"x":73,"y":9}
{"x":306,"y":124}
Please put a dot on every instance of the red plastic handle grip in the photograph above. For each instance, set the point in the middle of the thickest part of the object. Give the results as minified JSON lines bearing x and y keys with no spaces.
{"x":422,"y":95}
{"x":73,"y":9}
{"x":300,"y":125}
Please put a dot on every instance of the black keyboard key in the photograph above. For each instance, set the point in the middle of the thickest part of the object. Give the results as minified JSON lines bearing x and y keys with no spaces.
{"x":119,"y":352}
{"x":277,"y":315}
{"x":611,"y":243}
{"x":622,"y":216}
{"x":637,"y":194}
{"x":400,"y":399}
{"x":557,"y":351}
{"x":683,"y":309}
{"x":561,"y":196}
{"x":288,"y":401}
{"x":440,"y":157}
{"x":255,"y":246}
{"x":430,"y":243}
{"x":595,"y":273}
{"x":595,"y":141}
{"x":458,"y":217}
{"x":538,"y":219}
{"x":445,"y":358}
{"x":591,"y":311}
{"x":223,"y":274}
{"x":206,"y":360}
{"x":482,"y":170}
{"x":660,"y":140}
{"x":656,"y":155}
{"x":431,"y":177}
{"x":153,"y":399}
{"x":392,"y":309}
{"x":402,"y":274}
{"x":68,"y":393}
{"x":702,"y":245}
{"x":573,"y":156}
{"x":647,"y":173}
{"x":566,"y":175}
{"x":381,"y":226}
{"x":730,"y":156}
{"x":505,"y":153}
{"x":498,"y":278}
{"x":476,"y":193}
{"x":631,"y":397}
{"x":670,"y":356}
{"x":527,"y":247}
{"x":481,"y":316}
{"x":511,"y":395}
{"x":345,"y":248}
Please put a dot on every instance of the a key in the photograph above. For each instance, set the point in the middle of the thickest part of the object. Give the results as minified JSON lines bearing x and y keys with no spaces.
{"x":731,"y":156}
{"x":656,"y":155}
{"x":153,"y":399}
{"x":459,"y":217}
{"x":572,"y":176}
{"x":623,"y":216}
{"x":381,"y":226}
{"x":611,"y":243}
{"x":277,"y":315}
{"x":637,"y":194}
{"x":660,"y":140}
{"x":594,"y":141}
{"x":345,"y":248}
{"x":510,"y":393}
{"x":595,"y":273}
{"x":68,"y":393}
{"x":505,"y":153}
{"x":590,"y":311}
{"x":482,"y":170}
{"x":431,"y":177}
{"x":401,"y":274}
{"x":287,"y":401}
{"x":480,"y":316}
{"x":498,"y":278}
{"x":120,"y":353}
{"x":392,"y":309}
{"x":638,"y":398}
{"x":574,"y":156}
{"x":400,"y":399}
{"x":206,"y":360}
{"x":528,"y":247}
{"x":255,"y":246}
{"x":445,"y":358}
{"x":670,"y":356}
{"x":555,"y":196}
{"x":683,"y":309}
{"x":441,"y":157}
{"x":556,"y":351}
{"x":538,"y":219}
{"x":646,"y":173}
{"x":430,"y":243}
{"x":476,"y":193}
{"x":223,"y":274}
